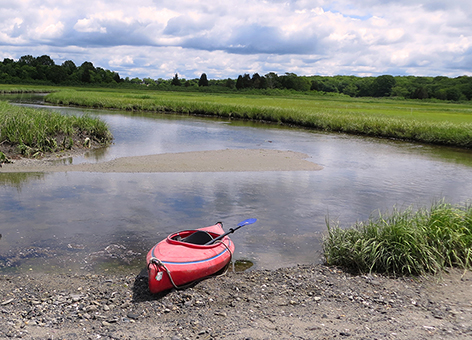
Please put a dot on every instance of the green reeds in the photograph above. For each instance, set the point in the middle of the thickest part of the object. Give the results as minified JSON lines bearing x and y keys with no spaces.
{"x":34,"y":132}
{"x":404,"y":242}
{"x":429,"y":122}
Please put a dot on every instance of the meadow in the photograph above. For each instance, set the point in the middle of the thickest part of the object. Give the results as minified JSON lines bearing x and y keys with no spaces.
{"x":414,"y":120}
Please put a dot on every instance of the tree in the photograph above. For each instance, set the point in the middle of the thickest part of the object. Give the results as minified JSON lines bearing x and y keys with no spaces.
{"x":239,"y":82}
{"x":420,"y":93}
{"x":294,"y":82}
{"x":229,"y":83}
{"x":382,"y":86}
{"x":203,"y":80}
{"x":273,"y":81}
{"x":45,"y":60}
{"x":247,"y":82}
{"x":176,"y":80}
{"x":27,"y":60}
{"x":256,"y":81}
{"x":69,"y":66}
{"x":116,"y":77}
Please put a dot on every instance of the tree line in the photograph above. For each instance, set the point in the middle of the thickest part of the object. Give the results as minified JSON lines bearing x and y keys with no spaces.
{"x":43,"y":70}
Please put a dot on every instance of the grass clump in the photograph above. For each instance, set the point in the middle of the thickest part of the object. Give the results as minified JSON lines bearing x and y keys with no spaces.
{"x":404,"y":242}
{"x":32,"y":132}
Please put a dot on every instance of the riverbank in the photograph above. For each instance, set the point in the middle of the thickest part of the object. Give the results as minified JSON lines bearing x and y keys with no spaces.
{"x":302,"y":302}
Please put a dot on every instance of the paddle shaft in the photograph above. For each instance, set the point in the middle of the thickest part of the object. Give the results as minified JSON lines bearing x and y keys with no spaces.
{"x":232,"y":230}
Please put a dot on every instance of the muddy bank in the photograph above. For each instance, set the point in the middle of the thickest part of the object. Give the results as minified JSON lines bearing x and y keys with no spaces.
{"x":200,"y":161}
{"x":303,"y":302}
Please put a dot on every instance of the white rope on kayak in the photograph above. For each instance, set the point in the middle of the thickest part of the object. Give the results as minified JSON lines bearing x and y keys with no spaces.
{"x":157,"y":262}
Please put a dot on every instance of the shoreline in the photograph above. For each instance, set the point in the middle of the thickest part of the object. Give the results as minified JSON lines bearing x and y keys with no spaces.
{"x":227,"y":160}
{"x":302,"y":302}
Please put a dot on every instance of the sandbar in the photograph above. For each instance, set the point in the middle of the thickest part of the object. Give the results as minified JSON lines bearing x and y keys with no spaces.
{"x":228,"y":160}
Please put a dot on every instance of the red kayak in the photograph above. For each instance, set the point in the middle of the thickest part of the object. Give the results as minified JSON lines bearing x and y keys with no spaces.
{"x":188,"y":256}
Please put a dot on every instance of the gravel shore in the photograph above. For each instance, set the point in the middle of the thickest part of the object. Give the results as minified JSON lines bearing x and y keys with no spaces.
{"x":302,"y":302}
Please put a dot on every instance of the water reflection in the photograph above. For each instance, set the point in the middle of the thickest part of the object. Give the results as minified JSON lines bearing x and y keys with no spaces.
{"x":70,"y":220}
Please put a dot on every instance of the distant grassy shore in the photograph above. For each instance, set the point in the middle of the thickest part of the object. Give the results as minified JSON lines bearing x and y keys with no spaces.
{"x":429,"y":122}
{"x":10,"y":89}
{"x":405,"y":242}
{"x":32,"y":132}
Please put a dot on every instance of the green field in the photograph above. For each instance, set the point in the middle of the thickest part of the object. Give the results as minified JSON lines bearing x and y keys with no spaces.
{"x":429,"y":122}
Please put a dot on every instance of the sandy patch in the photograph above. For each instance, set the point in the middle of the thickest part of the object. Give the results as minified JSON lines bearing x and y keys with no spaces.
{"x":201,"y":161}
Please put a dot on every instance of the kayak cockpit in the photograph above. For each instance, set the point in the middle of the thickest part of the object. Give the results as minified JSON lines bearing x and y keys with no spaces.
{"x":193,"y":238}
{"x":200,"y":237}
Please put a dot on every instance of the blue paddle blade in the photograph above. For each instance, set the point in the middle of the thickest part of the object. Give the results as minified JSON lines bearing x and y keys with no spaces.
{"x":246,"y":222}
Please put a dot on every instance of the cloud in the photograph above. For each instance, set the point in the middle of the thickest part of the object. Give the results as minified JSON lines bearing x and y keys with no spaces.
{"x":226,"y":38}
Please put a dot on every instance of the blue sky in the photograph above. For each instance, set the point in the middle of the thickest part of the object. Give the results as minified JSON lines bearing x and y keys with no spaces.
{"x":225,"y":38}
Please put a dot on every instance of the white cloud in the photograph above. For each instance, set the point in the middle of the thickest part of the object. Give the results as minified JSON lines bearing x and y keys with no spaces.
{"x":226,"y":38}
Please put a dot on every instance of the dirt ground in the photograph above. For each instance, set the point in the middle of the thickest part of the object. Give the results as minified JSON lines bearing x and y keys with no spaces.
{"x":302,"y":302}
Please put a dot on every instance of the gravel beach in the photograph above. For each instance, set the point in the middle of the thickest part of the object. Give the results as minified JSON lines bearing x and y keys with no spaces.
{"x":302,"y":302}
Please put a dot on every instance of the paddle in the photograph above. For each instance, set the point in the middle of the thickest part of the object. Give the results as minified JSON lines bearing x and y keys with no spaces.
{"x":231,"y":230}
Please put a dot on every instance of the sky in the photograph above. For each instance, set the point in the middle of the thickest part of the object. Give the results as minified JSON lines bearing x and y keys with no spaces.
{"x":226,"y":38}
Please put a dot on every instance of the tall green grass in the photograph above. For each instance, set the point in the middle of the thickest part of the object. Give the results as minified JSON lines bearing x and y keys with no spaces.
{"x":404,"y":242}
{"x":9,"y":89}
{"x":434,"y":123}
{"x":34,"y":132}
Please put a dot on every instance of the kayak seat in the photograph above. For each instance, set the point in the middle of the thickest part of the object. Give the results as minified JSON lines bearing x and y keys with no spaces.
{"x":199,"y":237}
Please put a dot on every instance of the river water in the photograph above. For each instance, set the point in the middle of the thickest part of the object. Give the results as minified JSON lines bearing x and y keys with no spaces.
{"x":108,"y":221}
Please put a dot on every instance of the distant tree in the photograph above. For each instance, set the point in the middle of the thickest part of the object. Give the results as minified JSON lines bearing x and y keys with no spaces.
{"x":239,"y":83}
{"x":136,"y":80}
{"x":273,"y":81}
{"x":420,"y":93}
{"x":116,"y":77}
{"x":87,"y":65}
{"x":45,"y":60}
{"x":69,"y":66}
{"x":383,"y":85}
{"x":351,"y":90}
{"x":247,"y":81}
{"x":148,"y":81}
{"x":453,"y":93}
{"x":256,"y":81}
{"x":203,"y":81}
{"x":56,"y":74}
{"x":86,"y":76}
{"x":176,"y":80}
{"x":229,"y":83}
{"x":27,"y":60}
{"x":294,"y":82}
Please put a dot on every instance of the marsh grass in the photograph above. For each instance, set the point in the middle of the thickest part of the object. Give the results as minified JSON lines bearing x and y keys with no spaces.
{"x":434,"y":123}
{"x":34,"y":132}
{"x":404,"y":242}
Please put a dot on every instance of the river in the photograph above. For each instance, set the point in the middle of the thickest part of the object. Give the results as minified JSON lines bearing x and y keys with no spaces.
{"x":77,"y":221}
